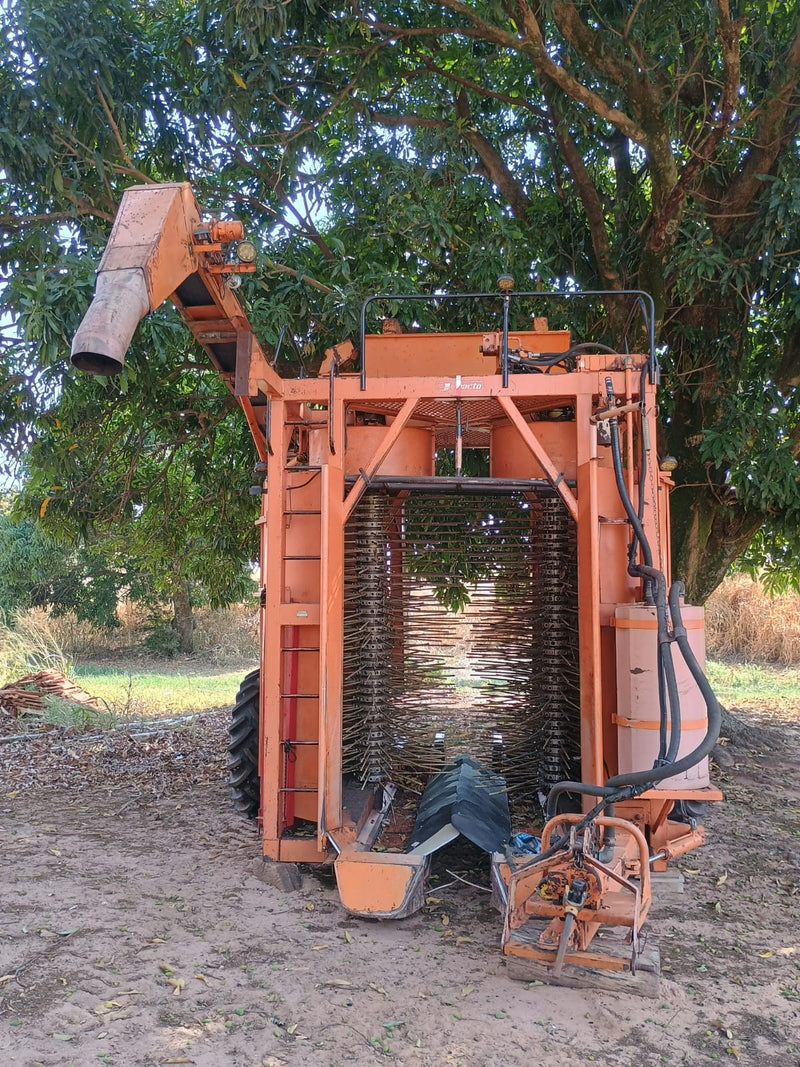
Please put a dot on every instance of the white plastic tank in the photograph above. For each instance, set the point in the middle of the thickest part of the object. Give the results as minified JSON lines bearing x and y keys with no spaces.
{"x":638,"y":715}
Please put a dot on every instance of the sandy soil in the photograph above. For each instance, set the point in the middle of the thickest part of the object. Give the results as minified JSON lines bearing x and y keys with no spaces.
{"x":133,"y":932}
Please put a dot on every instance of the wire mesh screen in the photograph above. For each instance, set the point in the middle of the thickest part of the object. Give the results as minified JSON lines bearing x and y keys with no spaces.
{"x":461,"y":637}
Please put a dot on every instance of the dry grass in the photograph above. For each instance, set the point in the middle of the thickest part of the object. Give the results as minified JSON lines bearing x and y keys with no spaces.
{"x":229,"y":635}
{"x":29,"y":644}
{"x":743,"y":622}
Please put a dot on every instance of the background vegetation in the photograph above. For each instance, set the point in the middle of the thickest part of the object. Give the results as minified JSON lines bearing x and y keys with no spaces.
{"x":403,"y":147}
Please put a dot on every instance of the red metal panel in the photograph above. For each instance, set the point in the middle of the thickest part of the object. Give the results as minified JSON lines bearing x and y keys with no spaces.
{"x":272,"y":636}
{"x":591,"y":666}
{"x":331,"y":634}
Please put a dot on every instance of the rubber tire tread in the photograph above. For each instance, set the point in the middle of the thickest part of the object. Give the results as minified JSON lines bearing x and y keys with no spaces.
{"x":243,"y":778}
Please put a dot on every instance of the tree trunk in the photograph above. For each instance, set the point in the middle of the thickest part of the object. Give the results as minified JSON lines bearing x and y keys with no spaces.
{"x":708,"y":534}
{"x":182,"y":619}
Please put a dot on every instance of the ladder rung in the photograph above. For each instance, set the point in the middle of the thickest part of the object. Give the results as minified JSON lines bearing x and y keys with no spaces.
{"x":300,"y":468}
{"x":300,"y":696}
{"x":299,"y":742}
{"x":295,"y":559}
{"x":299,"y":789}
{"x":303,"y":511}
{"x":294,"y":648}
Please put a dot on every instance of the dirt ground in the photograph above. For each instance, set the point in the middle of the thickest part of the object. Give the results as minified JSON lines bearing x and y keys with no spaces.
{"x":133,"y":932}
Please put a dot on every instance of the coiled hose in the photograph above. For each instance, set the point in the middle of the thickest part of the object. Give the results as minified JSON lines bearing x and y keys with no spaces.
{"x":632,"y":783}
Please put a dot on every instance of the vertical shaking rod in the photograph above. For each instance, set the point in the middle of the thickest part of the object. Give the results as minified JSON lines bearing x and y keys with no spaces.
{"x":375,"y":640}
{"x":459,"y":440}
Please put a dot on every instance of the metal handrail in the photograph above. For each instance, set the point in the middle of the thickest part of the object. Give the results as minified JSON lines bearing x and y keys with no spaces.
{"x":644,"y":300}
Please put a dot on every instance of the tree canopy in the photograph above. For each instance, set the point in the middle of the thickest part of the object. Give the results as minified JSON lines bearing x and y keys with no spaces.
{"x":416,"y":147}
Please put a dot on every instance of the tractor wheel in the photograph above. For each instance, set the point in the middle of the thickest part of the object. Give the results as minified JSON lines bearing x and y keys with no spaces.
{"x":243,"y":779}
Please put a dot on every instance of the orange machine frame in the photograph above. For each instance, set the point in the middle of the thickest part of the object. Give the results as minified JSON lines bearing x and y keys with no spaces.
{"x":410,"y":380}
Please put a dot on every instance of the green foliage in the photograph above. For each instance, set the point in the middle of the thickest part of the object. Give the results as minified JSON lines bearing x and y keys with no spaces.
{"x":408,"y":148}
{"x":456,"y":542}
{"x":161,"y":638}
{"x":773,"y":556}
{"x":40,"y":571}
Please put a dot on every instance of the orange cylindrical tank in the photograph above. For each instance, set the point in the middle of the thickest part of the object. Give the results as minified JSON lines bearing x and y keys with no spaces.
{"x":509,"y":458}
{"x":637,"y":715}
{"x":413,"y":454}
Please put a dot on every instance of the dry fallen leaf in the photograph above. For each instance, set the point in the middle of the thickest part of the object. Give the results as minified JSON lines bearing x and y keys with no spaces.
{"x":723,"y":878}
{"x":201,"y":978}
{"x":378,"y":989}
{"x":292,"y":1029}
{"x":5,"y":978}
{"x":165,"y":967}
{"x":339,"y":983}
{"x":445,"y":920}
{"x":765,"y":954}
{"x":309,"y":906}
{"x":464,"y":940}
{"x":433,"y":900}
{"x":54,"y":851}
{"x":62,"y":1037}
{"x":177,"y":984}
{"x":348,"y":937}
{"x":318,"y":948}
{"x":112,"y":1004}
{"x":467,"y":989}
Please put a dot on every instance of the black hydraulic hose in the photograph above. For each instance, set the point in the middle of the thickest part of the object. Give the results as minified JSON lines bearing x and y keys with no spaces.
{"x":642,"y":444}
{"x":625,"y":786}
{"x":612,"y":797}
{"x":654,"y":579}
{"x":643,"y":450}
{"x":630,"y":511}
{"x":712,"y":704}
{"x":573,"y":787}
{"x":665,"y":665}
{"x":631,"y":784}
{"x":662,"y":719}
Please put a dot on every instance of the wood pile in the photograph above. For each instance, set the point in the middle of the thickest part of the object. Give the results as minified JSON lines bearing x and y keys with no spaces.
{"x":28,"y":693}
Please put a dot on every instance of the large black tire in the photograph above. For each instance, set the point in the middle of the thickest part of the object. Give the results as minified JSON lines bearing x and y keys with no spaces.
{"x":243,"y":779}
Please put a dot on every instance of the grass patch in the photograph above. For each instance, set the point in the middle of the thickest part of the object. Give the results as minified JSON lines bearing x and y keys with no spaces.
{"x":749,"y":685}
{"x":153,"y":693}
{"x":743,"y":621}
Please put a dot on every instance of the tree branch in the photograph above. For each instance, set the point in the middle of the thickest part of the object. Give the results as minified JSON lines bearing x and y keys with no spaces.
{"x":126,"y":159}
{"x":774,"y":129}
{"x":282,"y":268}
{"x":533,"y":45}
{"x":493,"y":165}
{"x":729,"y":34}
{"x":590,"y":199}
{"x":596,"y":50}
{"x":483,"y":90}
